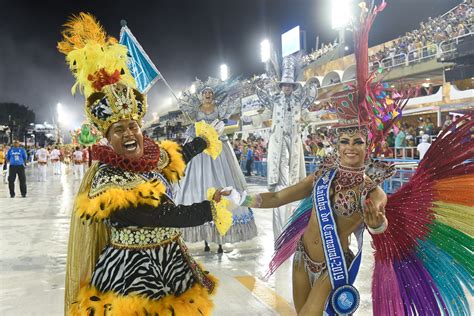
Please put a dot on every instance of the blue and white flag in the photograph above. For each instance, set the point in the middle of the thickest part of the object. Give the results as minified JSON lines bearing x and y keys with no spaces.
{"x":139,"y":64}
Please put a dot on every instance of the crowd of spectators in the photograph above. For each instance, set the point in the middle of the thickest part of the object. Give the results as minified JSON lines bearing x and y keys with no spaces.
{"x":317,"y":144}
{"x":418,"y":43}
{"x":322,"y":106}
{"x":413,"y":138}
{"x":251,"y":153}
{"x":422,"y":42}
{"x":173,"y":127}
{"x":316,"y":54}
{"x":417,"y":138}
{"x":409,"y":90}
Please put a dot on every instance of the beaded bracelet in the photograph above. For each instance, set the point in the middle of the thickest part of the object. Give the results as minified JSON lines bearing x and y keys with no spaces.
{"x":379,"y":230}
{"x":252,"y":201}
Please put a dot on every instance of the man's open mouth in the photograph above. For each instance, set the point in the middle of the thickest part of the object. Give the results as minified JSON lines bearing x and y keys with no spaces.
{"x":131,"y":145}
{"x":351,"y":155}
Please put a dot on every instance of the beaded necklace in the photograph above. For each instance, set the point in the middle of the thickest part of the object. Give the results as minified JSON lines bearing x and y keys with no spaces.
{"x":348,"y":177}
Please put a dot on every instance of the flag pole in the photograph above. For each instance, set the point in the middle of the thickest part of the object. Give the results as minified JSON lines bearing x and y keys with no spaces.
{"x":175,"y":96}
{"x":125,"y":29}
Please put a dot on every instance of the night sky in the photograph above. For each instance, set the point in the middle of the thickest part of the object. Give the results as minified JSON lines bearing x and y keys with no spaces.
{"x":185,"y":39}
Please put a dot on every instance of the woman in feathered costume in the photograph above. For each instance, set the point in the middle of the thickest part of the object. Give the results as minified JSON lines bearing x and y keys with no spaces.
{"x":214,"y":100}
{"x":422,"y":234}
{"x":125,"y":253}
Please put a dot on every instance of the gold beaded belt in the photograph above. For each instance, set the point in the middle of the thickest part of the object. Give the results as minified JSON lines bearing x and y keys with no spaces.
{"x":143,"y":238}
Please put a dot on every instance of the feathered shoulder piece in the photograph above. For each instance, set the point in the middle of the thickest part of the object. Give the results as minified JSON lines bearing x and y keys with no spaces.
{"x":423,"y":262}
{"x":112,"y":189}
{"x":171,"y":162}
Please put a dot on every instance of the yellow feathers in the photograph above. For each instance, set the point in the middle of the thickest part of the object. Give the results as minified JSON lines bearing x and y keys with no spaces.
{"x":206,"y":131}
{"x":174,"y":168}
{"x":195,"y":301}
{"x":100,"y":207}
{"x":93,"y":57}
{"x":221,"y":215}
{"x":457,"y":216}
{"x":454,"y":202}
{"x":88,"y":50}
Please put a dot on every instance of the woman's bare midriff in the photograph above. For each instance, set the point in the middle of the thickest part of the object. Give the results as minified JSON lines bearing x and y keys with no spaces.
{"x":312,"y":237}
{"x":346,"y":225}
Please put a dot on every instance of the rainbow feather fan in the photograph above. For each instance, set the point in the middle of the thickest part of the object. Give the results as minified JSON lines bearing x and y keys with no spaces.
{"x":424,"y":262}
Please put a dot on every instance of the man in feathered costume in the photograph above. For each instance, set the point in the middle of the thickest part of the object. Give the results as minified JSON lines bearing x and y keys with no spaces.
{"x":422,"y":234}
{"x":125,"y":253}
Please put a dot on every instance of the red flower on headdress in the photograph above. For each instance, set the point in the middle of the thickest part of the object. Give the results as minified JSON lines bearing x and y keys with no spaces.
{"x":101,"y":78}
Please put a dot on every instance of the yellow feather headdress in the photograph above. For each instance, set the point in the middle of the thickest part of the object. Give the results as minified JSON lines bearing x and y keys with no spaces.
{"x":99,"y":65}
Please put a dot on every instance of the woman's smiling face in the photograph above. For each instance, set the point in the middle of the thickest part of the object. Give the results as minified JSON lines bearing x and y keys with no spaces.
{"x":352,"y":149}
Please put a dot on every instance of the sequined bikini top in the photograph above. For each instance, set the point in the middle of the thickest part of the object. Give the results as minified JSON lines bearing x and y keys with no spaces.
{"x":351,"y":185}
{"x":348,"y":186}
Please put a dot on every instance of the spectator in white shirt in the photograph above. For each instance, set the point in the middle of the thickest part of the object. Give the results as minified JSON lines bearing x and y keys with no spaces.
{"x":423,"y":146}
{"x":42,"y":156}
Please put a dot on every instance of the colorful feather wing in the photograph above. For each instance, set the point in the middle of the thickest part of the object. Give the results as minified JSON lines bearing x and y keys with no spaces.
{"x":286,"y":243}
{"x":424,"y":261}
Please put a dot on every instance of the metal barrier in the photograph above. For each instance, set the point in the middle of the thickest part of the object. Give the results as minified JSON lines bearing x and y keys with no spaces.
{"x":400,"y":177}
{"x":449,"y":46}
{"x":394,"y":61}
{"x":373,"y":66}
{"x":259,"y":168}
{"x":405,"y":168}
{"x":405,"y":152}
{"x":420,"y":54}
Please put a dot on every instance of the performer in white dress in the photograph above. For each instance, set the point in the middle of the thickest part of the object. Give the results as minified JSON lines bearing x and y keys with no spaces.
{"x":214,"y":100}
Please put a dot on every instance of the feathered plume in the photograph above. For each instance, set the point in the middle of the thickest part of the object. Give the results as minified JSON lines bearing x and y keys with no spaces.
{"x":369,"y":101}
{"x":92,"y":55}
{"x":81,"y":29}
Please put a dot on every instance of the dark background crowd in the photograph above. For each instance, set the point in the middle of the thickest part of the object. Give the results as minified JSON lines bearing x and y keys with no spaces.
{"x":422,"y":42}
